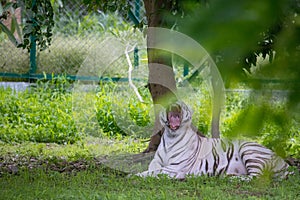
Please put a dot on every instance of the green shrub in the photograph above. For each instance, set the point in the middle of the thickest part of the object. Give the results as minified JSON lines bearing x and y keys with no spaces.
{"x":119,"y":114}
{"x":139,"y":113}
{"x":40,"y":115}
{"x":106,"y":114}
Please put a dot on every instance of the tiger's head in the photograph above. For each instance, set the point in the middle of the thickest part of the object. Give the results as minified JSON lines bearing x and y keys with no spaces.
{"x":176,"y":116}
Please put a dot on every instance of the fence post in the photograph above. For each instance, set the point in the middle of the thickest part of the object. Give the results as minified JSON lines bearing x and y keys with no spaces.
{"x":32,"y":69}
{"x":136,"y":57}
{"x":185,"y":69}
{"x":32,"y":57}
{"x":136,"y":50}
{"x":137,"y":9}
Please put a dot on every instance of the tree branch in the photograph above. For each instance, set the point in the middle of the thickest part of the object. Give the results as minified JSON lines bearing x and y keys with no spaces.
{"x":130,"y":68}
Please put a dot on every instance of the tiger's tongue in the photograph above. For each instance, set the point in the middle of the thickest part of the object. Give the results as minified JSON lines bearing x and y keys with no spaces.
{"x":174,"y":123}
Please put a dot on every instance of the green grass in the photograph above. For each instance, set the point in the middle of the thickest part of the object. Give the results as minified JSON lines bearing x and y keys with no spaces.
{"x":98,"y":184}
{"x":97,"y":181}
{"x":87,"y":148}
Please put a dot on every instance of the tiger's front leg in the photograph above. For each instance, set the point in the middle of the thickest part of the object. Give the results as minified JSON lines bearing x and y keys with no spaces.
{"x":162,"y":171}
{"x":153,"y":170}
{"x":156,"y":167}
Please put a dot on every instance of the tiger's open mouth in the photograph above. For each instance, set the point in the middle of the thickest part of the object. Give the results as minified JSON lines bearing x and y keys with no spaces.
{"x":174,"y":122}
{"x":174,"y":128}
{"x":174,"y":117}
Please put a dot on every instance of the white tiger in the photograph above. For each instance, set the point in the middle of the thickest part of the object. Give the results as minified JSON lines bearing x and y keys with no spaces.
{"x":182,"y":152}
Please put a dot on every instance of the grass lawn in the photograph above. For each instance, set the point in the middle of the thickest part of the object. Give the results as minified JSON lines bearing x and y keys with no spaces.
{"x":97,"y":182}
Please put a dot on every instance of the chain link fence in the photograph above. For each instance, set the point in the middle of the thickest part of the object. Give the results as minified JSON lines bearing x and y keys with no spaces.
{"x":12,"y":59}
{"x":75,"y":34}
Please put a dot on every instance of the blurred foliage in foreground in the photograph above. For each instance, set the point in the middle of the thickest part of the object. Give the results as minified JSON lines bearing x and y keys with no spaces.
{"x":238,"y":33}
{"x":257,"y":44}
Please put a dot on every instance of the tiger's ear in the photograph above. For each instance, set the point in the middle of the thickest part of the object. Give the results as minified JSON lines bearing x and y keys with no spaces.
{"x":190,"y":110}
{"x":185,"y":108}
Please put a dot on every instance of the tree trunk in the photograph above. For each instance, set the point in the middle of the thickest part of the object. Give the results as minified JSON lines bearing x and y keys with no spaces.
{"x":161,"y":80}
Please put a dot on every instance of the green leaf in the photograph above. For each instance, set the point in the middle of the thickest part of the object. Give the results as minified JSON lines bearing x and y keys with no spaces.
{"x":5,"y":8}
{"x":8,"y":6}
{"x":9,"y":34}
{"x":1,"y":10}
{"x":13,"y":24}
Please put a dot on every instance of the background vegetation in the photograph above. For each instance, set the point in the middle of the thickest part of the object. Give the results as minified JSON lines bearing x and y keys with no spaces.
{"x":74,"y":35}
{"x":44,"y":113}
